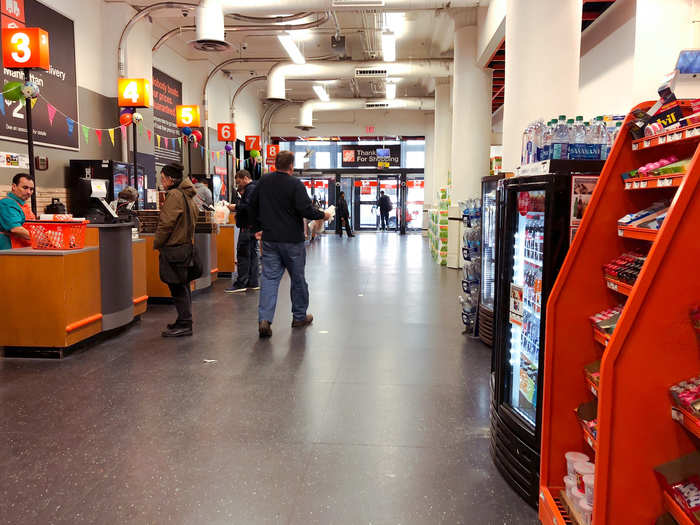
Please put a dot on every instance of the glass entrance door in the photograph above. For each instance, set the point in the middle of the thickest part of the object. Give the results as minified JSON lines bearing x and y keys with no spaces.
{"x":415,"y":197}
{"x":390,"y":187}
{"x":366,"y":195}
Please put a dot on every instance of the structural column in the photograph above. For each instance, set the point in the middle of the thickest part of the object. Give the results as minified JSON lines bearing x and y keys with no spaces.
{"x":543,"y":48}
{"x":471,"y":119}
{"x":442,"y":140}
{"x":428,"y":174}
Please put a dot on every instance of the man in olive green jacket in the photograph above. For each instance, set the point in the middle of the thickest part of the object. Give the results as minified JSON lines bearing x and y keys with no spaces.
{"x":174,"y":229}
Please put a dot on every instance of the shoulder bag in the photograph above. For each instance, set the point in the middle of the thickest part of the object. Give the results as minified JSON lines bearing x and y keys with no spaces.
{"x":181,"y":263}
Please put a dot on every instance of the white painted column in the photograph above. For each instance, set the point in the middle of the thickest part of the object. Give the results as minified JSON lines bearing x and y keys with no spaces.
{"x":543,"y":48}
{"x":428,"y":173}
{"x":471,"y":117}
{"x":442,"y":150}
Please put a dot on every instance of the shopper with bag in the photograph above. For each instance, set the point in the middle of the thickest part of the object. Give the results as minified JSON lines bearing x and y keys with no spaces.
{"x":278,"y":207}
{"x":178,"y":260}
{"x":342,"y":217}
{"x":248,"y":265}
{"x":385,"y":206}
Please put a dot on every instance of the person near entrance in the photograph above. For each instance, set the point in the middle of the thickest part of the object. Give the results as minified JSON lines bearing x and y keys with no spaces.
{"x":342,"y":216}
{"x":175,"y":231}
{"x":278,"y":206}
{"x":247,"y":248}
{"x":14,"y":211}
{"x":385,"y":206}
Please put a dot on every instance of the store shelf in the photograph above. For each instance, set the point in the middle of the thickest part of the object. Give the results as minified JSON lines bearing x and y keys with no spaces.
{"x":650,"y":183}
{"x":552,"y":509}
{"x":675,"y":510}
{"x":589,"y":438}
{"x":592,"y":386}
{"x":642,"y":234}
{"x":685,"y":418}
{"x":618,"y":286}
{"x":686,"y":134}
{"x":601,"y":337}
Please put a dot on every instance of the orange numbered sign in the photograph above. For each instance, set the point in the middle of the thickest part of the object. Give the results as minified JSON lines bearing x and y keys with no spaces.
{"x":252,"y":142}
{"x":227,"y":132}
{"x":272,"y":150}
{"x":187,"y":116}
{"x":134,"y":93}
{"x":26,"y":47}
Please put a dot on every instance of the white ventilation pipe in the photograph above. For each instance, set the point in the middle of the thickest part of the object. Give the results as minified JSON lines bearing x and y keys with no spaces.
{"x":306,"y":113}
{"x":331,"y":70}
{"x":210,"y":13}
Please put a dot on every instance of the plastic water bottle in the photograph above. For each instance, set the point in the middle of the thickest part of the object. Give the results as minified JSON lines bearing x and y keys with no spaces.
{"x":560,"y":139}
{"x":547,"y":133}
{"x":578,"y":137}
{"x":523,"y":147}
{"x":579,"y":131}
{"x":538,"y":139}
{"x":599,"y":138}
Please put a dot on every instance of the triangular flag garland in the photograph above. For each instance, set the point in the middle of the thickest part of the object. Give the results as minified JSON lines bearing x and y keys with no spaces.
{"x":201,"y":148}
{"x":123,"y":128}
{"x":52,"y":112}
{"x":179,"y":141}
{"x":158,"y":140}
{"x":34,"y":101}
{"x":111,"y":136}
{"x":70,"y":123}
{"x":149,"y":133}
{"x":98,"y":132}
{"x":2,"y":104}
{"x":86,"y":133}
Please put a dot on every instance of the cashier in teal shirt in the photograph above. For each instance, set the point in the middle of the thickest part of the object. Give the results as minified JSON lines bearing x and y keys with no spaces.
{"x":12,"y":215}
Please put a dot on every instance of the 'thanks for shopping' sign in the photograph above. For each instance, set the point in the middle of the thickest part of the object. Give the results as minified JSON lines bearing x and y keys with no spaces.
{"x":372,"y":155}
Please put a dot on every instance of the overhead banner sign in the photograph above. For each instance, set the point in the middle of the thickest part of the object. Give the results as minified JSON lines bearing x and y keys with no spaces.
{"x":57,"y":84}
{"x":167,"y":95}
{"x":372,"y":155}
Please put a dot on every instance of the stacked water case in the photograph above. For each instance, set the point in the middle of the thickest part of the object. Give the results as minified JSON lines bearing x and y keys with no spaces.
{"x":471,"y":271}
{"x":438,"y":228}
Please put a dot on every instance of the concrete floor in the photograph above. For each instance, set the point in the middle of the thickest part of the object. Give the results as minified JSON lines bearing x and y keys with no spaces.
{"x":377,"y":414}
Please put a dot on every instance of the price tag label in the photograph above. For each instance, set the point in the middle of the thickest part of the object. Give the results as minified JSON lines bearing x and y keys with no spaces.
{"x":590,"y":441}
{"x":647,"y":143}
{"x":612,"y":286}
{"x":664,"y":183}
{"x":635,"y":185}
{"x":643,"y":184}
{"x":594,"y":390}
{"x":662,"y":139}
{"x":635,"y":147}
{"x":628,"y":185}
{"x":621,"y":233}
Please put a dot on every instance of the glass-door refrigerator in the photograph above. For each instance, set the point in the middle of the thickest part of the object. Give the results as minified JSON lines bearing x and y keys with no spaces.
{"x":488,"y":257}
{"x":533,"y":238}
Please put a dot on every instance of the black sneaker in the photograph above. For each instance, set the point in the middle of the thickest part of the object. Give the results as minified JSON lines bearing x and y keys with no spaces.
{"x":177,"y":331}
{"x":253,"y":288}
{"x":235,"y":289}
{"x":264,"y":329}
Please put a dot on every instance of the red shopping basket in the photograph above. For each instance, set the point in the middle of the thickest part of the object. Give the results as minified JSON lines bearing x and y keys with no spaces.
{"x":57,"y":235}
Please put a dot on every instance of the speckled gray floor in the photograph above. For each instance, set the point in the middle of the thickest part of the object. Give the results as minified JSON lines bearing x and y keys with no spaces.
{"x":377,"y":414}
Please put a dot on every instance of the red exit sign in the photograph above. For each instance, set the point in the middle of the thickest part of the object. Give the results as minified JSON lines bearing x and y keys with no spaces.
{"x":369,"y":130}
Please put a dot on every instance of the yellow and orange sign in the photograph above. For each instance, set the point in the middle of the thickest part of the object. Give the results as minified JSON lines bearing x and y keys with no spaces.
{"x":25,"y":47}
{"x":134,"y":93}
{"x":226,"y":131}
{"x":187,"y":116}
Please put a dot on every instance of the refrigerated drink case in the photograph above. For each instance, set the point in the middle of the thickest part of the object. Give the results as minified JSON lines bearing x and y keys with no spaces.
{"x":488,"y":257}
{"x":533,"y":238}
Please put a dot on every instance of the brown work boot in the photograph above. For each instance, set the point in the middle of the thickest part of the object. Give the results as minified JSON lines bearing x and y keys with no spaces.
{"x":300,"y":323}
{"x":264,"y":329}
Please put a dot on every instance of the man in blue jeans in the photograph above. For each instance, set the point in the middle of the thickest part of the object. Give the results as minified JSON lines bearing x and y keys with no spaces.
{"x":279,"y":206}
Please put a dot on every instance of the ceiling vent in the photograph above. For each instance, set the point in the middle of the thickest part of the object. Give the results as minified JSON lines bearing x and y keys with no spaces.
{"x":371,"y":72}
{"x":358,"y":3}
{"x":377,"y":105}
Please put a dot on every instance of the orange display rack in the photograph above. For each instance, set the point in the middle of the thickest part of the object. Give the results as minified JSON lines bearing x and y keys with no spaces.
{"x":653,"y":346}
{"x":618,"y":286}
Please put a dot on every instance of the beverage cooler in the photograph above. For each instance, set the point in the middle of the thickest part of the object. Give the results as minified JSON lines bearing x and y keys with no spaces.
{"x":488,"y":257}
{"x":534,"y":228}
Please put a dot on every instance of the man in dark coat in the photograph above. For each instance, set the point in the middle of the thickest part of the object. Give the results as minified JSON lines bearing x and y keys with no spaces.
{"x":342,"y":216}
{"x":247,"y":249}
{"x":385,"y":207}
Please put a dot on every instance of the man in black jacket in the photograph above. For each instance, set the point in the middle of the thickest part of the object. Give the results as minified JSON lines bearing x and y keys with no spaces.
{"x":278,"y":206}
{"x":247,"y":248}
{"x":385,"y":207}
{"x":342,"y":215}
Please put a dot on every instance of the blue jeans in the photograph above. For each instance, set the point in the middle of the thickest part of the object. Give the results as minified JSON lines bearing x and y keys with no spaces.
{"x":276,"y":257}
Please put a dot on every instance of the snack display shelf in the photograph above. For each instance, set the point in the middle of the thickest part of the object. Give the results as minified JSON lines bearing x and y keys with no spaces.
{"x":618,"y":286}
{"x":686,"y":419}
{"x":649,"y":183}
{"x":601,"y":337}
{"x":675,"y":510}
{"x":589,"y":438}
{"x":592,"y":386}
{"x":552,"y":509}
{"x":685,"y":134}
{"x":642,"y":234}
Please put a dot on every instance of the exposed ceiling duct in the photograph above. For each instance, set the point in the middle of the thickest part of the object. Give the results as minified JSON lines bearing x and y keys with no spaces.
{"x":306,"y":113}
{"x":276,"y":79}
{"x":210,"y":13}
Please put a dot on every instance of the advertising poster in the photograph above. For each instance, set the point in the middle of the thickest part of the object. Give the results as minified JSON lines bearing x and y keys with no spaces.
{"x":372,"y":155}
{"x":581,"y":192}
{"x":516,"y":304}
{"x":58,"y":85}
{"x":167,"y":94}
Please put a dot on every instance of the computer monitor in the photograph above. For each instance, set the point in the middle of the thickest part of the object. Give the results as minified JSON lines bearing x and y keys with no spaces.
{"x":688,"y":64}
{"x":383,"y":152}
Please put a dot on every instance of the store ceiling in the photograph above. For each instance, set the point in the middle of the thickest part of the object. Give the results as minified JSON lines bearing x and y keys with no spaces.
{"x":425,"y":34}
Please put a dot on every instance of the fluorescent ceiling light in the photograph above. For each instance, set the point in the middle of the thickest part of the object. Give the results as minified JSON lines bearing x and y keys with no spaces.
{"x":291,"y":48}
{"x":390,"y":91}
{"x":321,"y":93}
{"x":388,"y":46}
{"x":396,"y":23}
